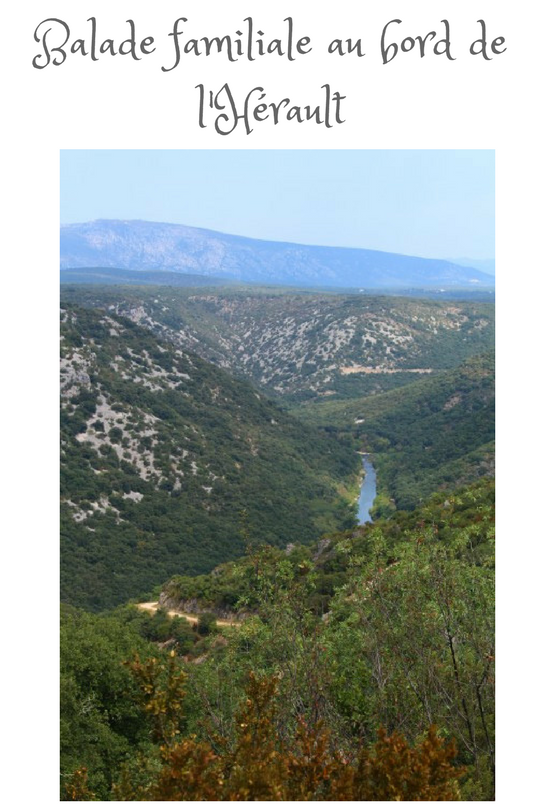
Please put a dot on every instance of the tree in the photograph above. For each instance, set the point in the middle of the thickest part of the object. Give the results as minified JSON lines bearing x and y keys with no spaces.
{"x":261,"y":766}
{"x":206,"y":624}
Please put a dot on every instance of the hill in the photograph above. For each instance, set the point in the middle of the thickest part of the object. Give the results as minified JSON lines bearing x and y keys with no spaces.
{"x":301,"y":346}
{"x":437,"y":432}
{"x":168,"y":463}
{"x":139,"y":245}
{"x":390,"y":624}
{"x":114,"y":275}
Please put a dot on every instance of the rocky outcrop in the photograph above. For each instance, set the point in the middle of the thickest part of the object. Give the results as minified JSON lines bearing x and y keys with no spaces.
{"x":198,"y":606}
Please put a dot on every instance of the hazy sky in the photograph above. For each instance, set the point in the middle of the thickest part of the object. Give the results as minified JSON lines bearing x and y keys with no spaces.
{"x":434,"y":203}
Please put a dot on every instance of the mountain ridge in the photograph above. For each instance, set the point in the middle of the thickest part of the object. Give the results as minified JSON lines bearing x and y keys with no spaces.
{"x":145,"y":245}
{"x":297,"y":345}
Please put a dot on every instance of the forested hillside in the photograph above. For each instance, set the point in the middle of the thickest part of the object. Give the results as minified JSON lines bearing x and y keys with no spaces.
{"x":228,"y":632}
{"x":437,"y":432}
{"x":302,"y":347}
{"x":167,"y":463}
{"x":389,"y":625}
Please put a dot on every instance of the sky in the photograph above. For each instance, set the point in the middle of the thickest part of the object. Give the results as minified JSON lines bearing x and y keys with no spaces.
{"x":433,"y":203}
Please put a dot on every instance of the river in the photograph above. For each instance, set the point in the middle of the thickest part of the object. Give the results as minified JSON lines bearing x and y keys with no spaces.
{"x":368,"y":491}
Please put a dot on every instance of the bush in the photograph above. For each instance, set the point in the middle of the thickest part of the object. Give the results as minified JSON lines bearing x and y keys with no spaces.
{"x":260,"y":766}
{"x":207,"y":624}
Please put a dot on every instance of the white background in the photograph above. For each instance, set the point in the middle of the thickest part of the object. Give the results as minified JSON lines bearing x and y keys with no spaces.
{"x":117,"y":103}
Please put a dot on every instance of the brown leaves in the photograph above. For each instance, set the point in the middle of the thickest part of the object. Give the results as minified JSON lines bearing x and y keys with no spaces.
{"x":162,"y":694}
{"x":261,"y":766}
{"x":395,"y":771}
{"x":76,"y":789}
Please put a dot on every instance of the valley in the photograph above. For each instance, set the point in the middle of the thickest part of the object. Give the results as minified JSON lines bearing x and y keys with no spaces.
{"x":368,"y":491}
{"x":173,"y":456}
{"x":217,"y":553}
{"x":434,"y":433}
{"x":169,"y":464}
{"x":305,"y":346}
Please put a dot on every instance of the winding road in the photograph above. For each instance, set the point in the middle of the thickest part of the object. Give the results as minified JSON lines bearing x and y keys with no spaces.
{"x":152,"y":607}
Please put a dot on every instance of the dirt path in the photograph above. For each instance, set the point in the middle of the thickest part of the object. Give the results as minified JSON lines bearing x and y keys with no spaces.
{"x":383,"y":370}
{"x":151,"y":607}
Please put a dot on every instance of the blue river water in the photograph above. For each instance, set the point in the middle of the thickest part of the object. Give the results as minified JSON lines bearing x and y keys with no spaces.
{"x":368,"y":491}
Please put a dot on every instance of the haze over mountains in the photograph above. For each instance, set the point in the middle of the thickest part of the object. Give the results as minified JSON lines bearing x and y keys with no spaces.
{"x":485,"y":265}
{"x":154,"y":246}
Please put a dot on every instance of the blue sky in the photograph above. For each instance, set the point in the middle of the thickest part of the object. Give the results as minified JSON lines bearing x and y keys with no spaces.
{"x":434,"y":203}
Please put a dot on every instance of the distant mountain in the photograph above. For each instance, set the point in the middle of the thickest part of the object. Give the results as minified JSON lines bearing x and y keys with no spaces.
{"x":114,"y":275}
{"x":485,"y":265}
{"x":138,"y":245}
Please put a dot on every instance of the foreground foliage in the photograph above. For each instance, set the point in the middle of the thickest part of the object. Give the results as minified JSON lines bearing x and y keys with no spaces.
{"x":258,"y":765}
{"x":388,"y":625}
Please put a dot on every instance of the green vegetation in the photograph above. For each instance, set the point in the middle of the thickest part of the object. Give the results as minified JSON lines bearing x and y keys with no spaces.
{"x":260,"y":766}
{"x":293,"y":346}
{"x":435,"y":433}
{"x":326,"y":661}
{"x":168,"y":464}
{"x":101,"y":722}
{"x":387,"y":625}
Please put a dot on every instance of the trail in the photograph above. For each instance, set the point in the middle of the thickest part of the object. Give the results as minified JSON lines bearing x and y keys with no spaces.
{"x":152,"y":607}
